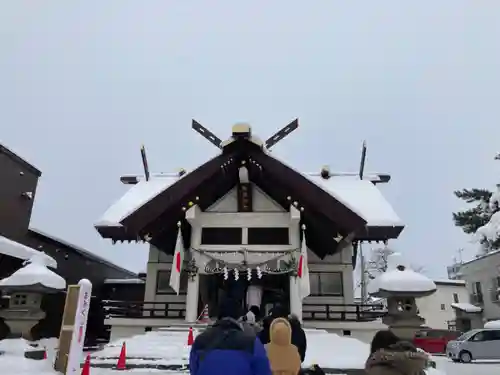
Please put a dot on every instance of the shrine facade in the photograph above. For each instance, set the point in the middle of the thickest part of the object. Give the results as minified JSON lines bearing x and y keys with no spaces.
{"x":241,"y":219}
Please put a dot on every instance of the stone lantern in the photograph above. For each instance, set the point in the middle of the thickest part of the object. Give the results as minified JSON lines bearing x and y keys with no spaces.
{"x":401,"y":286}
{"x":26,"y":288}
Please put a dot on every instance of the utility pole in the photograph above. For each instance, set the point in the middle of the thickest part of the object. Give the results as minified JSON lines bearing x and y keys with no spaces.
{"x":360,"y":247}
{"x":460,"y":258}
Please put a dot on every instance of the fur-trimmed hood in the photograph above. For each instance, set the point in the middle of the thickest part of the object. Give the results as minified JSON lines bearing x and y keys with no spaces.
{"x":400,"y":359}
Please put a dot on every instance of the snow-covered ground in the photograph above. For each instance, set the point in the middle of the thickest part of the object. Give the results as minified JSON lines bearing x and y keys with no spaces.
{"x":169,"y":348}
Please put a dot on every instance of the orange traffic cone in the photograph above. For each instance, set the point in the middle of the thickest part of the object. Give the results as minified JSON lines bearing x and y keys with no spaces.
{"x":86,"y":366}
{"x":204,"y":318}
{"x":190,"y":336}
{"x":121,"y":365}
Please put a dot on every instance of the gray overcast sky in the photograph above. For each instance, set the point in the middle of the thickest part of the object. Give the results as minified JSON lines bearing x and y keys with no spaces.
{"x":84,"y":83}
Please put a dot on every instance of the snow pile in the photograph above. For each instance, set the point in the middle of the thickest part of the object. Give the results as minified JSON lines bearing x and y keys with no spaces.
{"x":35,"y":272}
{"x":169,"y":348}
{"x":334,"y":351}
{"x":466,"y":307}
{"x":159,"y":347}
{"x":13,"y":362}
{"x":164,"y":348}
{"x":17,"y":250}
{"x":398,"y":278}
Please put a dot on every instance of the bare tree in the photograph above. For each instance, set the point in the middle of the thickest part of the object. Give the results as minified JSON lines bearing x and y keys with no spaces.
{"x":377,"y":262}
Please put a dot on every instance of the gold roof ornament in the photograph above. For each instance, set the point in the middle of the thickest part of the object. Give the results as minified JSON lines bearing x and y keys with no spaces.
{"x":241,"y":130}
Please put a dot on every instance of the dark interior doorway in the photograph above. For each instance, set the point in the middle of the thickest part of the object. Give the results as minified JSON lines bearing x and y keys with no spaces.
{"x":213,"y":289}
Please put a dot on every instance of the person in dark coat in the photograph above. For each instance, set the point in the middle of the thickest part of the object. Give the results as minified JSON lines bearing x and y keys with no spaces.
{"x":225,"y":348}
{"x":389,"y":355}
{"x":298,"y":335}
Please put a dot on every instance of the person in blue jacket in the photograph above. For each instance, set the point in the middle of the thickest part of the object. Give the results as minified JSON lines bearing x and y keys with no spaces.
{"x":225,"y":348}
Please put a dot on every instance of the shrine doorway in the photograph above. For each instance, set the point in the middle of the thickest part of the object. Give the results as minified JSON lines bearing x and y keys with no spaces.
{"x":214,"y":288}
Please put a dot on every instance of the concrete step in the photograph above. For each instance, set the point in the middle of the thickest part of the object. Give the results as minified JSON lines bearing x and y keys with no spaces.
{"x":183,"y":327}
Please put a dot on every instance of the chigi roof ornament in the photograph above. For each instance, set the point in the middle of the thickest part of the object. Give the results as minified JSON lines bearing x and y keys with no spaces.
{"x":243,"y":130}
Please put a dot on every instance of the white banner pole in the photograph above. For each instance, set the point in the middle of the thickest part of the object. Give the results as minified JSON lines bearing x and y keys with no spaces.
{"x":75,"y":354}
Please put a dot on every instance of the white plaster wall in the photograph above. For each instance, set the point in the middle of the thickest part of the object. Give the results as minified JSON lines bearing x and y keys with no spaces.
{"x":430,"y":307}
{"x":266,"y":213}
{"x":483,"y":270}
{"x":157,"y":261}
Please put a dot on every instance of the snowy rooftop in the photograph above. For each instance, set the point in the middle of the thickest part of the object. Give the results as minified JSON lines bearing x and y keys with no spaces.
{"x":20,"y":251}
{"x":34,"y":273}
{"x":136,"y":197}
{"x":362,"y":197}
{"x":466,"y":307}
{"x":400,"y":279}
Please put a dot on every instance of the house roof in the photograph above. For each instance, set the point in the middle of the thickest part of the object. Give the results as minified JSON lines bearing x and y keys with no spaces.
{"x":11,"y":154}
{"x":18,"y":250}
{"x":335,"y":206}
{"x":85,"y":253}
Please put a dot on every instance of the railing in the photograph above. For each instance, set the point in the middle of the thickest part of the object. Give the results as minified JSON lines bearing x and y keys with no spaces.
{"x":146,"y":310}
{"x":311,"y":311}
{"x":342,"y":312}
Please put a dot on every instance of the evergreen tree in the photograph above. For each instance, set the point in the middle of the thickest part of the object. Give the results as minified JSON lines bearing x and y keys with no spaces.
{"x":472,"y":219}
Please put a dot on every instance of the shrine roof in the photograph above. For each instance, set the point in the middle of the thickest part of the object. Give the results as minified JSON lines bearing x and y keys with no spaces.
{"x":335,"y":205}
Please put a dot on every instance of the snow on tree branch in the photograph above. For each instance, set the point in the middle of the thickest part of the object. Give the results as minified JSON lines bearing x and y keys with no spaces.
{"x":378,"y":262}
{"x":489,"y":233}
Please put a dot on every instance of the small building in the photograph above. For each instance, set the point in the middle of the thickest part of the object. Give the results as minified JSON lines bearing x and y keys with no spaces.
{"x":242,"y":217}
{"x":440,"y":309}
{"x":19,"y":242}
{"x":482,"y":278}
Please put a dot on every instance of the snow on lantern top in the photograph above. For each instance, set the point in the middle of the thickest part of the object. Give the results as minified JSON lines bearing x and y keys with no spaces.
{"x":399,"y":280}
{"x":34,"y":276}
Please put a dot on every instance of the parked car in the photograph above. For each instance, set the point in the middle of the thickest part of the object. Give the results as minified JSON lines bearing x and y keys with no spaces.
{"x":476,"y":344}
{"x":434,"y":341}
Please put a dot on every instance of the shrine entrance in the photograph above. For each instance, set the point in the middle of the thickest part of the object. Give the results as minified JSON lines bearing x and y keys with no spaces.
{"x":214,"y":288}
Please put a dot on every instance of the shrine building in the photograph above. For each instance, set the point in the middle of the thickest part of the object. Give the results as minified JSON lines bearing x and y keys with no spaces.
{"x":241,"y":218}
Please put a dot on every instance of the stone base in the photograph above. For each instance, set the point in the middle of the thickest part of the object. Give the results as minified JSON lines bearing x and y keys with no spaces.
{"x":37,"y":354}
{"x":21,"y":328}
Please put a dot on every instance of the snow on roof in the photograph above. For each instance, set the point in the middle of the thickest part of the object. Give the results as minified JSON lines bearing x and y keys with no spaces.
{"x":137,"y":196}
{"x":467,"y":307}
{"x":33,"y":273}
{"x":124,"y":281}
{"x":20,"y":251}
{"x":399,"y":279}
{"x":362,"y":197}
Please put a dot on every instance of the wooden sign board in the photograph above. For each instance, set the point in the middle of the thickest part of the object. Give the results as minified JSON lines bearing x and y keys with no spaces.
{"x":67,"y":328}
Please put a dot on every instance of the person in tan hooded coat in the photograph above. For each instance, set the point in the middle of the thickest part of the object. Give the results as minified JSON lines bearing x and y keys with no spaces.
{"x":283,"y":356}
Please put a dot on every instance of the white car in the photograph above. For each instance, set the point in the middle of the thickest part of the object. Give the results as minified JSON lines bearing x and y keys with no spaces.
{"x":476,"y":344}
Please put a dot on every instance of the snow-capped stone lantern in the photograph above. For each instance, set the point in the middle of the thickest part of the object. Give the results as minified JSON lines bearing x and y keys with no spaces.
{"x":401,"y":286}
{"x":26,"y":288}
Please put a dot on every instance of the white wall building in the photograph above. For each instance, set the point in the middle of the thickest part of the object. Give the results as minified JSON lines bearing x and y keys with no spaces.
{"x":437,"y":309}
